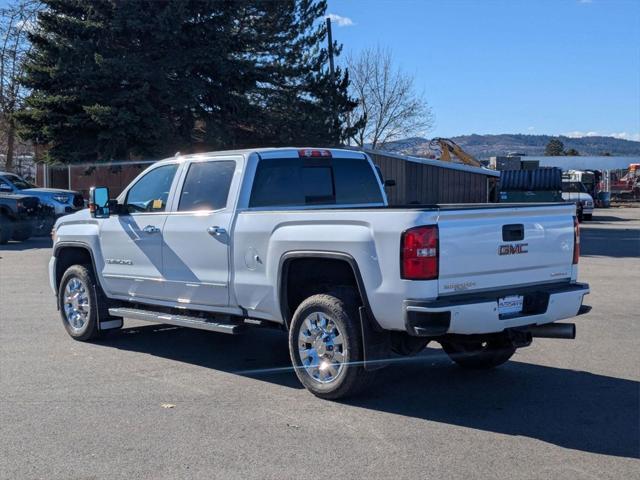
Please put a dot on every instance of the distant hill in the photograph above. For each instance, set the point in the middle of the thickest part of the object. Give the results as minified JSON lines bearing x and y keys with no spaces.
{"x":485,"y":146}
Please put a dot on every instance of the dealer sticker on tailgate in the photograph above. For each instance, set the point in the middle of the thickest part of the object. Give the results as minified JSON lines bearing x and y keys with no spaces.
{"x":510,"y":305}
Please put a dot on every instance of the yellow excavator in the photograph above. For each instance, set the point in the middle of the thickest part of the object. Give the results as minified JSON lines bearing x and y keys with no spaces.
{"x":448,"y":147}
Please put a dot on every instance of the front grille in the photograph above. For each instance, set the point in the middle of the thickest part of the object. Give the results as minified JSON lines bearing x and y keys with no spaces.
{"x":78,"y":201}
{"x":30,"y":203}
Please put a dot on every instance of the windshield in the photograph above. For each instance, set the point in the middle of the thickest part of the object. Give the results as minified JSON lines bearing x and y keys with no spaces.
{"x":18,"y":182}
{"x":573,"y":187}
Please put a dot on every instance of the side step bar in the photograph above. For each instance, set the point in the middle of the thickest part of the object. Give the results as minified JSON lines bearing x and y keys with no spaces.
{"x":178,"y":320}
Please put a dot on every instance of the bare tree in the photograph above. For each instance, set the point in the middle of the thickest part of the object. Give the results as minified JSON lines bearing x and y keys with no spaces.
{"x":15,"y":21}
{"x":388,"y":102}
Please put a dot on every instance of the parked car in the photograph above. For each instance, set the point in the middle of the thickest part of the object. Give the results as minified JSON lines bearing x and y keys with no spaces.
{"x":576,"y":192}
{"x":304,"y":240}
{"x":62,"y":201}
{"x":18,"y":217}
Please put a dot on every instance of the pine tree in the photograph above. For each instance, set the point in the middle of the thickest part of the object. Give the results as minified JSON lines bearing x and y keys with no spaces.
{"x":572,"y":152}
{"x":296,"y":100}
{"x":554,"y":148}
{"x":115,"y":79}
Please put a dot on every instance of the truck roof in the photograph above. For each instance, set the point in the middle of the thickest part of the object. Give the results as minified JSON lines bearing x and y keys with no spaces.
{"x":269,"y":150}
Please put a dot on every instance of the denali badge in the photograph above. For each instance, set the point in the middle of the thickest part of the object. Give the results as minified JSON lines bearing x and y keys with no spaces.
{"x":513,"y":249}
{"x":118,"y":261}
{"x":459,"y":286}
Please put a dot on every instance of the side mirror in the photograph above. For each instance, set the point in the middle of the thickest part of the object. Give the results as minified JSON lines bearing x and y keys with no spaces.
{"x":99,"y":202}
{"x":390,"y":183}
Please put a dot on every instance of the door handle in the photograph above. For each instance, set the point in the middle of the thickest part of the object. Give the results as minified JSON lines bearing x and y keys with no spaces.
{"x":216,"y":231}
{"x":151,"y":229}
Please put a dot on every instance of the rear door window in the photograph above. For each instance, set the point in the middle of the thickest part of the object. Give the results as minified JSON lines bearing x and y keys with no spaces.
{"x":299,"y":182}
{"x":206,"y":186}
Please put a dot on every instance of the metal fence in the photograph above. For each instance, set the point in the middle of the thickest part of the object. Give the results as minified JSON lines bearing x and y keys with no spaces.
{"x":81,"y":177}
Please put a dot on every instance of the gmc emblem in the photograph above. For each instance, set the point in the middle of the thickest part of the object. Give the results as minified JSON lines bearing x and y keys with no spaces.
{"x":513,"y":249}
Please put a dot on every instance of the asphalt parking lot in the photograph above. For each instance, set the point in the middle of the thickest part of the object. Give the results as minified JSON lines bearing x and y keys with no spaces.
{"x":161,"y":402}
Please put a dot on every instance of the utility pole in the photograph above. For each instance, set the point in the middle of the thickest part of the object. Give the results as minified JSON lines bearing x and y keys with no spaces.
{"x":330,"y":50}
{"x":332,"y":72}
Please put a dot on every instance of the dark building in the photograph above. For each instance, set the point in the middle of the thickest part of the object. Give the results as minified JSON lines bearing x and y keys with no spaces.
{"x":426,"y":181}
{"x":418,"y":180}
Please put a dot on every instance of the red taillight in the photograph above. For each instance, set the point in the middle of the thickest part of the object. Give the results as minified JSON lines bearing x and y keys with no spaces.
{"x":313,"y":153}
{"x":419,"y":253}
{"x":576,"y":241}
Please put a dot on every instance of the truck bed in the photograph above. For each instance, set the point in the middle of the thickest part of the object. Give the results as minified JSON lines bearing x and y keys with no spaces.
{"x":471,"y":246}
{"x":428,"y":207}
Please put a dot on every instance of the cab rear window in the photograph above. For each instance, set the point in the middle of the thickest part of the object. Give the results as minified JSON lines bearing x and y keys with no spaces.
{"x":300,"y":182}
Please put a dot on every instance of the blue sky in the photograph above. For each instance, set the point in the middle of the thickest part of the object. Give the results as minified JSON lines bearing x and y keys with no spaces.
{"x":538,"y":66}
{"x":509,"y":66}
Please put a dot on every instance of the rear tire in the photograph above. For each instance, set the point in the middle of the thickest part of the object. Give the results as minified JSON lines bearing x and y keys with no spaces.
{"x":325,"y":344}
{"x":479,"y":355}
{"x":6,"y":229}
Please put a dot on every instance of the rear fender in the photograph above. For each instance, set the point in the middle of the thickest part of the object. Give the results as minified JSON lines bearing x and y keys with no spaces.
{"x":283,"y":272}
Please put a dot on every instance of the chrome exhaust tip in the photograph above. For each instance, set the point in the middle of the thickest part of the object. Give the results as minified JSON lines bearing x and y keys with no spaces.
{"x":553,"y":330}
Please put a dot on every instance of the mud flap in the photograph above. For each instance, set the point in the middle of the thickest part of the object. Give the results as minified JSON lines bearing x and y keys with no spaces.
{"x":376,"y":345}
{"x":108,"y":323}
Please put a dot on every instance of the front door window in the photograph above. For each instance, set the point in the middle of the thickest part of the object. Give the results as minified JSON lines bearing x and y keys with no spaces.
{"x":150,"y":194}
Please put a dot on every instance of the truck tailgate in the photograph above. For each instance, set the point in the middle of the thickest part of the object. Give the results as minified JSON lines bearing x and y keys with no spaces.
{"x":495,"y":248}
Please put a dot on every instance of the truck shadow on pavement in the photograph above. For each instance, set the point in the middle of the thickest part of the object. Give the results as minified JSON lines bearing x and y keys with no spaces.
{"x":250,"y":352}
{"x":571,"y":409}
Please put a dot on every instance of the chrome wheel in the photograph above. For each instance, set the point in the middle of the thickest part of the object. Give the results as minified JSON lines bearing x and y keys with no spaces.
{"x":321,"y":348}
{"x":76,"y":303}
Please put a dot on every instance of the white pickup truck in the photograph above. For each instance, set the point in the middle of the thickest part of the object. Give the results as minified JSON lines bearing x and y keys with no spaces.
{"x":303,"y":239}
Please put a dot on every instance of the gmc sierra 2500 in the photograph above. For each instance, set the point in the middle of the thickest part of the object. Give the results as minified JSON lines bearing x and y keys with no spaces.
{"x":304,"y":239}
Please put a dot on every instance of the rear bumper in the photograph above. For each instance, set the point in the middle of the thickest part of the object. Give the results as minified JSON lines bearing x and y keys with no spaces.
{"x":478,"y":313}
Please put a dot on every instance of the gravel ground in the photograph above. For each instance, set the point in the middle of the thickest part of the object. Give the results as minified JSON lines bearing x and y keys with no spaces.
{"x":560,"y":409}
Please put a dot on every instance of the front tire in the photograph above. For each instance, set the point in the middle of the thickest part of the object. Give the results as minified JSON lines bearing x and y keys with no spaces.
{"x":23,"y":232}
{"x":479,"y":355}
{"x":325,"y":344}
{"x":78,"y":303}
{"x":6,"y":229}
